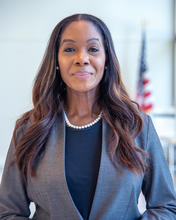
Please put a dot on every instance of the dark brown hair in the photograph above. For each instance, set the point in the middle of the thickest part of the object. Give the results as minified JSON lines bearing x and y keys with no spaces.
{"x":49,"y":94}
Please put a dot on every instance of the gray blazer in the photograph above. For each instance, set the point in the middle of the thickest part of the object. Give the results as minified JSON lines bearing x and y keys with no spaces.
{"x":116,"y":194}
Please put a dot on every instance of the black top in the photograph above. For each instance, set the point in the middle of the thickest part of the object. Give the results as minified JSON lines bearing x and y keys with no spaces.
{"x":82,"y":161}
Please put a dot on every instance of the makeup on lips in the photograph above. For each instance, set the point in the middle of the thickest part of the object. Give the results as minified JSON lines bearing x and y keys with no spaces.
{"x":81,"y":74}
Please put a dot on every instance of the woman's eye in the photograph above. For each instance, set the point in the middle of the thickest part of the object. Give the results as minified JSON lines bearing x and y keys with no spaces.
{"x":93,"y":49}
{"x":69,"y":49}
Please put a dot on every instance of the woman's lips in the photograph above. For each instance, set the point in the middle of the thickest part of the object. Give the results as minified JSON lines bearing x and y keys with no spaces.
{"x":81,"y":74}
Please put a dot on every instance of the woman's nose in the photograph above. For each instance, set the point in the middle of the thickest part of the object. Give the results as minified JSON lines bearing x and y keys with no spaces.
{"x":81,"y":58}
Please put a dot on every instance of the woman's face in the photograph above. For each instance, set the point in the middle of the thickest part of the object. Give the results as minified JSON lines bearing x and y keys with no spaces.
{"x":81,"y":56}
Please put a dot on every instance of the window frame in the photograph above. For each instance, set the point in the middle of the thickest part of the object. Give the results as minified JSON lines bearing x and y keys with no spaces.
{"x":174,"y":52}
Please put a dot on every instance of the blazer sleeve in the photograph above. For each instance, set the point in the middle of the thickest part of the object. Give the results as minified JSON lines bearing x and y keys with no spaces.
{"x":14,"y":202}
{"x":157,"y":184}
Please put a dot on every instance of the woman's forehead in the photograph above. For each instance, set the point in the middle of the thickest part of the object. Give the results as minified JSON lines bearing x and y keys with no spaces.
{"x":81,"y":30}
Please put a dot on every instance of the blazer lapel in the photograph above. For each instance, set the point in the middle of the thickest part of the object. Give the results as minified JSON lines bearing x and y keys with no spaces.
{"x":101,"y":180}
{"x":107,"y":180}
{"x":62,"y":204}
{"x":114,"y":189}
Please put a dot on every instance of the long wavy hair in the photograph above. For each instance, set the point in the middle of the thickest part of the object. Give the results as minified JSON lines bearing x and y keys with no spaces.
{"x":49,"y":95}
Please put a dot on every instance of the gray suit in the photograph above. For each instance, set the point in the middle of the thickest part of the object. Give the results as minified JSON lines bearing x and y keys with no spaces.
{"x":116,"y":194}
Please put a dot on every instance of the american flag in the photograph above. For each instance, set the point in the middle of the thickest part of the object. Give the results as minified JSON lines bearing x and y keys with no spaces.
{"x":143,"y":97}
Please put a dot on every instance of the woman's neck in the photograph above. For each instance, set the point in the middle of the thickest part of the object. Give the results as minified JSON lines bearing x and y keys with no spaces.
{"x":80,"y":107}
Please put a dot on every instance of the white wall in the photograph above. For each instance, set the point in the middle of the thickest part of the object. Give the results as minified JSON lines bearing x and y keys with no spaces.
{"x":25,"y":27}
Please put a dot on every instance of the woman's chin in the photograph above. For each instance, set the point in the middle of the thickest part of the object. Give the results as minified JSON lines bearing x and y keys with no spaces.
{"x":81,"y":89}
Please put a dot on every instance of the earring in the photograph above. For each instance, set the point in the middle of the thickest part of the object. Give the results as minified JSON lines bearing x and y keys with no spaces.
{"x":57,"y":68}
{"x":105,"y":67}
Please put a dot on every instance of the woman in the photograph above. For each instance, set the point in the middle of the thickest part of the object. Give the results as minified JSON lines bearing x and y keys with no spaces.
{"x":85,"y":150}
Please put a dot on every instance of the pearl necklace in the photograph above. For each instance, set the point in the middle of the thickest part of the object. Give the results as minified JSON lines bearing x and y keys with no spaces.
{"x":83,"y":126}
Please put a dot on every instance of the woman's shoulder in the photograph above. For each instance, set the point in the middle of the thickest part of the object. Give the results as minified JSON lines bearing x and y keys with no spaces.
{"x":146,"y":122}
{"x":20,"y":127}
{"x":147,"y":128}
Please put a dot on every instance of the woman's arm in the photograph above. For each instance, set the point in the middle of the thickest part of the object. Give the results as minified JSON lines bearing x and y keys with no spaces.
{"x":157,"y":185}
{"x":14,"y":202}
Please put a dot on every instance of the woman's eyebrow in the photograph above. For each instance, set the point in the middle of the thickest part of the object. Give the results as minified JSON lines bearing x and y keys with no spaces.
{"x":73,"y":41}
{"x":93,"y":39}
{"x":68,"y":40}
